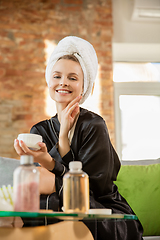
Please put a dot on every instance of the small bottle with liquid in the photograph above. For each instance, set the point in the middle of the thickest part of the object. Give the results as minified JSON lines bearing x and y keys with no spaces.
{"x":76,"y":189}
{"x":26,"y":186}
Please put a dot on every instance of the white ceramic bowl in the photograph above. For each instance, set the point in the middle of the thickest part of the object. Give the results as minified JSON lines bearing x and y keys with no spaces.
{"x":31,"y":140}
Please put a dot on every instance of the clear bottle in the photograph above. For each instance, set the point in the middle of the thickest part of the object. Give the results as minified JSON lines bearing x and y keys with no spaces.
{"x":26,"y":186}
{"x":75,"y":189}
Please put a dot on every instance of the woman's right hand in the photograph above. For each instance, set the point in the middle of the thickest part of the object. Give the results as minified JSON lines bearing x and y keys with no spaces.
{"x":41,"y":156}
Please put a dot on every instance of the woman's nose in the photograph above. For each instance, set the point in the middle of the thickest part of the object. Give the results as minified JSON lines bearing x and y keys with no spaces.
{"x":64,"y":81}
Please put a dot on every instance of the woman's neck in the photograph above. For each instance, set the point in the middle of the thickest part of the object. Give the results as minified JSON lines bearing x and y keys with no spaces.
{"x":60,"y":107}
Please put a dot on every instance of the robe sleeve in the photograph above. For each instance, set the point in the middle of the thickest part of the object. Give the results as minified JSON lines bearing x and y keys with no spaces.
{"x":98,"y":157}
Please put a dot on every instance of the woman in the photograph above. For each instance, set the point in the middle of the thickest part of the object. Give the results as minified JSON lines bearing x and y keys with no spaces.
{"x":78,"y":134}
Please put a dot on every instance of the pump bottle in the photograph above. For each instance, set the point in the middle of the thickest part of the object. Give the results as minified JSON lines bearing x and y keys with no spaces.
{"x":26,"y":186}
{"x":75,"y":189}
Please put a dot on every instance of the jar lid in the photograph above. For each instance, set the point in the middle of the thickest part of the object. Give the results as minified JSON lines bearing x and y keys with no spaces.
{"x":75,"y":165}
{"x":26,"y":159}
{"x":103,"y":211}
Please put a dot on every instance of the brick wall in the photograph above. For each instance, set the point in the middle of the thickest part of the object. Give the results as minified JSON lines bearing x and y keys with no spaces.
{"x":24,"y":27}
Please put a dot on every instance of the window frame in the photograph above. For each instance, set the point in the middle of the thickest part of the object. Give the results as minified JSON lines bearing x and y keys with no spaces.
{"x":130,"y":88}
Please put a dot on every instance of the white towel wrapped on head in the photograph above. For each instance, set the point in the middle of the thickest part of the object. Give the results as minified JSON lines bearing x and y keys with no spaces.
{"x":86,"y":56}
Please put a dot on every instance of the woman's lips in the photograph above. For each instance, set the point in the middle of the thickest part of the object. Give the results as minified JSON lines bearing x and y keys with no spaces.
{"x":63,"y":91}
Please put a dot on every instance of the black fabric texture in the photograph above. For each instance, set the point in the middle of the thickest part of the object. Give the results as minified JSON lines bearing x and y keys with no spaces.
{"x":91,"y":145}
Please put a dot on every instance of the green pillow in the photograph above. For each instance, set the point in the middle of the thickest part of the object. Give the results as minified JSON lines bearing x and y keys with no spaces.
{"x":140,"y":186}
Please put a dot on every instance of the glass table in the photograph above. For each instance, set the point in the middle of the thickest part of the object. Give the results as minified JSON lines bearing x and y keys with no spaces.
{"x":73,"y":224}
{"x":67,"y":216}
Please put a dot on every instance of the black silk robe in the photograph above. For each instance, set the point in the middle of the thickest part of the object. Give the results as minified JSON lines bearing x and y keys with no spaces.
{"x":91,"y":145}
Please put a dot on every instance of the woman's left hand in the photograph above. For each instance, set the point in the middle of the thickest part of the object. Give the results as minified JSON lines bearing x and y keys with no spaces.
{"x":67,"y":119}
{"x":68,"y":116}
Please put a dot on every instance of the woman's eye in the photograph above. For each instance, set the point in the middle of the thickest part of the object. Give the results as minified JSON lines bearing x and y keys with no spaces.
{"x":72,"y":78}
{"x":56,"y":76}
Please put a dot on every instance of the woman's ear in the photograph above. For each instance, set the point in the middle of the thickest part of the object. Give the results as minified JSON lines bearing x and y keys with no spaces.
{"x":82,"y":91}
{"x":92,"y":89}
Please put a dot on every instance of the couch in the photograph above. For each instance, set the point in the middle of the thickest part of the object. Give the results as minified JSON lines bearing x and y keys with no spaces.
{"x":7,"y":167}
{"x":139,"y":183}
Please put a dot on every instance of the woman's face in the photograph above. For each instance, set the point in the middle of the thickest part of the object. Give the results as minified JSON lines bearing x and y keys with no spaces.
{"x":66,"y":82}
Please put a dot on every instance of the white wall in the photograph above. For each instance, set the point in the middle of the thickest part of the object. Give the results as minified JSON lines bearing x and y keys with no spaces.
{"x":134,"y":40}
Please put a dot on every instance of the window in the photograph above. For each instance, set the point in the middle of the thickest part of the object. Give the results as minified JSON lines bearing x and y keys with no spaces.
{"x":137,"y":110}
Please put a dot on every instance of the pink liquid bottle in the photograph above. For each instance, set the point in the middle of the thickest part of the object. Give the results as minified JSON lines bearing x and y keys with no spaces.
{"x":26,"y":186}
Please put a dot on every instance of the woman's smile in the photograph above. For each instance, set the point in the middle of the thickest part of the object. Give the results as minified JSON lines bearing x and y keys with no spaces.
{"x":63,"y":91}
